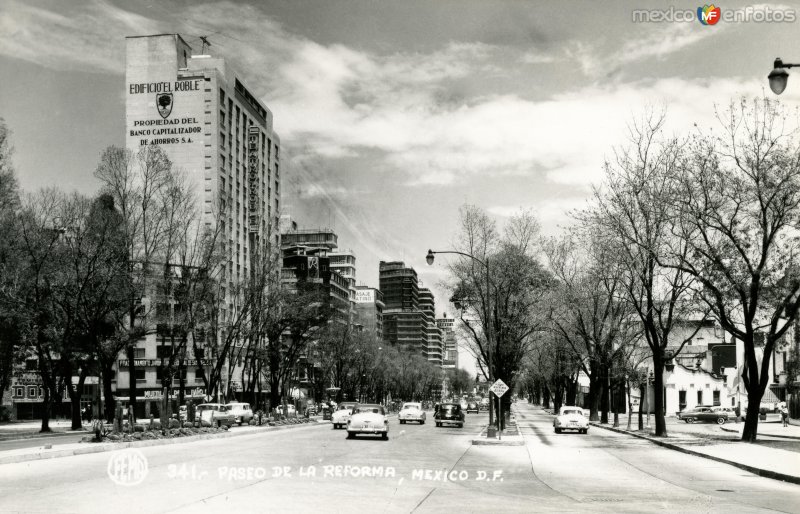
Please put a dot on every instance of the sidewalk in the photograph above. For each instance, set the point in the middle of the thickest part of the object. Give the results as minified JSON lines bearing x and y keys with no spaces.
{"x":52,"y":451}
{"x":771,"y":429}
{"x":758,"y":459}
{"x":30,"y":429}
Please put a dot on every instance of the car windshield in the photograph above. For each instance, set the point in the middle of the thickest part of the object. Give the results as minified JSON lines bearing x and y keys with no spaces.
{"x":375,"y":409}
{"x":344,"y":407}
{"x":450,"y":408}
{"x":411,"y":406}
{"x":569,"y":412}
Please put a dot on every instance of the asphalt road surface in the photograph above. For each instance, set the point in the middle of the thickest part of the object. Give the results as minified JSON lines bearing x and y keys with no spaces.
{"x":420,"y":468}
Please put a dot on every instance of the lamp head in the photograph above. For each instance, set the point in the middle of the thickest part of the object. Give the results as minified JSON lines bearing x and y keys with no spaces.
{"x":778,"y":77}
{"x":429,"y":257}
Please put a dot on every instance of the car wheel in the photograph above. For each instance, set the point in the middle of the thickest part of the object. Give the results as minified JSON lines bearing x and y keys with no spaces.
{"x":438,"y":424}
{"x":219,"y":424}
{"x":422,"y":422}
{"x":690,"y":420}
{"x":351,"y":435}
{"x":385,"y":436}
{"x":720,"y":420}
{"x":558,"y":430}
{"x":402,"y":422}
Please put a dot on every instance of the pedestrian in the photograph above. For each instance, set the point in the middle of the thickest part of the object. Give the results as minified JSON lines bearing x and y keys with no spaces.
{"x":784,"y":414}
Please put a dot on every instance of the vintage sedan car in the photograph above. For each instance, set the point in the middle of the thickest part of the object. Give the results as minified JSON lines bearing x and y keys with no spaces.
{"x":342,"y":414}
{"x":242,"y":413}
{"x":368,"y":418}
{"x":215,"y":414}
{"x":472,"y":407}
{"x":411,"y":411}
{"x":571,"y":418}
{"x":449,"y":414}
{"x":703,"y":414}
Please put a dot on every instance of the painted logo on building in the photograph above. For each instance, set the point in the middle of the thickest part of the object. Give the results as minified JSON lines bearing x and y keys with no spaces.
{"x":164,"y":104}
{"x":708,"y":14}
{"x":127,"y":467}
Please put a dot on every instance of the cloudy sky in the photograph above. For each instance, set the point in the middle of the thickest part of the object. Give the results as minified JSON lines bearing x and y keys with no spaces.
{"x":394,"y":113}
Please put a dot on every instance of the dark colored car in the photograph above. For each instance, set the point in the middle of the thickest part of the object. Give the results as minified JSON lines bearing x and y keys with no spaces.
{"x":450,"y":414}
{"x":472,"y":407}
{"x":703,"y":414}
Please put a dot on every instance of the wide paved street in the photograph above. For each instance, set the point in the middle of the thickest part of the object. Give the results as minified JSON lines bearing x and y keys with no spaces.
{"x":420,"y":469}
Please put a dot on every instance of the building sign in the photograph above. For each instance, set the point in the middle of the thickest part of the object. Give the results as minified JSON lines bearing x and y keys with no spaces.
{"x":122,"y":363}
{"x":165,"y":113}
{"x":254,"y":167}
{"x":365,"y":296}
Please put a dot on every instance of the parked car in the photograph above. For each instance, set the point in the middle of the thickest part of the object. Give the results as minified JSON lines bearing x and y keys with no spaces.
{"x":215,"y":414}
{"x":570,"y":418}
{"x":450,"y":414}
{"x":484,"y":404}
{"x":411,"y":411}
{"x":342,"y":414}
{"x":703,"y":414}
{"x":242,"y":412}
{"x":290,"y":410}
{"x":368,"y":418}
{"x":730,"y":411}
{"x":472,"y":407}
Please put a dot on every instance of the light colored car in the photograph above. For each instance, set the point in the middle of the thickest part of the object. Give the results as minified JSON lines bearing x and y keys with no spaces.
{"x":290,"y":410}
{"x":571,"y":418}
{"x":342,"y":414}
{"x":368,"y":418}
{"x":242,"y":413}
{"x":411,"y":411}
{"x":215,"y":414}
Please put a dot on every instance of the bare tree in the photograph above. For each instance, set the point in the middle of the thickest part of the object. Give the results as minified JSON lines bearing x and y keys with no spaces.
{"x":738,"y":206}
{"x":503,"y":289}
{"x":590,"y":311}
{"x":633,"y":216}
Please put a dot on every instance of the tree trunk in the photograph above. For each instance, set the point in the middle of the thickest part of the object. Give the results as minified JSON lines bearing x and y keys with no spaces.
{"x":109,"y":403}
{"x":750,"y":432}
{"x":658,"y":396}
{"x":545,"y":397}
{"x":47,"y":406}
{"x":642,"y":393}
{"x":75,"y":399}
{"x":131,"y":378}
{"x":604,"y":394}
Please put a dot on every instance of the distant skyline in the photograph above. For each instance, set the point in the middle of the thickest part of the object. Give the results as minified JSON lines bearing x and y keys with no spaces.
{"x":392,"y":114}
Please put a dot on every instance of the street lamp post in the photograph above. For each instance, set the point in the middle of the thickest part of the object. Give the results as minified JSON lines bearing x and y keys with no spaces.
{"x":429,"y":258}
{"x":778,"y":77}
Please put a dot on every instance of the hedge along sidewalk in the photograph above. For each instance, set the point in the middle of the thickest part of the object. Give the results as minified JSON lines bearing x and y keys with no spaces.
{"x":760,"y":460}
{"x":68,"y":450}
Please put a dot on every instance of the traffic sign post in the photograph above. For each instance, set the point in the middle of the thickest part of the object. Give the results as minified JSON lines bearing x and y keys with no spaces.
{"x":499,"y":388}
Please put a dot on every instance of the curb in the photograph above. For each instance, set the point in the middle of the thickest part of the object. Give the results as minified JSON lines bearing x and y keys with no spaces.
{"x":766,"y":473}
{"x":109,"y":447}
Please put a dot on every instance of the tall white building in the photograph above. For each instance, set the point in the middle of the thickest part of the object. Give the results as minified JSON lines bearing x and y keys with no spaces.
{"x":214,"y":129}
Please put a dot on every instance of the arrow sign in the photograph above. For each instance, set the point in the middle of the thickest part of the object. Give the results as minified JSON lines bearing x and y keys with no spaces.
{"x":499,"y":388}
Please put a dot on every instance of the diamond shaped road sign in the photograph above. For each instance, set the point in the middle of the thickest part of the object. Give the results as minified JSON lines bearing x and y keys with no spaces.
{"x":499,"y":388}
